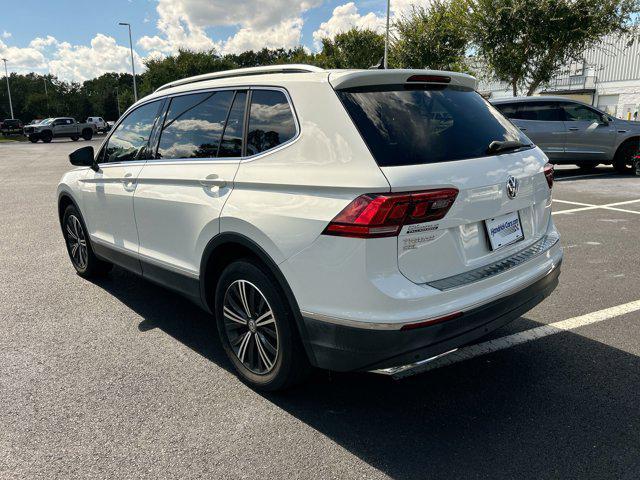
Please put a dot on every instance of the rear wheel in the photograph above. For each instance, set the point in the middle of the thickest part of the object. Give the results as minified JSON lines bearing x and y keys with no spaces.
{"x":87,"y":134}
{"x":79,"y":246}
{"x":257,"y":328}
{"x":624,"y":156}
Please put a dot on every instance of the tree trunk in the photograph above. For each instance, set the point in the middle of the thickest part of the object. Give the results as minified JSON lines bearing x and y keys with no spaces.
{"x":514,"y":86}
{"x":532,"y":88}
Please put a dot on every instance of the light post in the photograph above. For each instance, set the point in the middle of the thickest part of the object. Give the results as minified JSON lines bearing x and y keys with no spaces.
{"x":118,"y":101}
{"x":8,"y":88}
{"x":386,"y":39}
{"x":46,"y":94}
{"x":133,"y":68}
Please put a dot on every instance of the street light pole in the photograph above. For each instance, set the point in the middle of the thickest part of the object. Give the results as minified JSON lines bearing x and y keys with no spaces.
{"x":133,"y":68}
{"x":386,"y":40}
{"x":8,"y":88}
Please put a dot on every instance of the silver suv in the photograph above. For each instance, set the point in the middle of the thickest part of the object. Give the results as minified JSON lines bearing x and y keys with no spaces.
{"x":573,"y":132}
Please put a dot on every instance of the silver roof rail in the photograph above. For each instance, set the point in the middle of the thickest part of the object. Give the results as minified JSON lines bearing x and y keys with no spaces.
{"x":241,"y":72}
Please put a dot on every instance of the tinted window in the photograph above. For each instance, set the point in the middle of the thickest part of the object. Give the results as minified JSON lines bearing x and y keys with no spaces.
{"x":270,"y":121}
{"x":231,"y":145}
{"x":574,"y":112}
{"x":130,"y":139}
{"x":194,"y":125}
{"x":425,"y":124}
{"x":509,"y":110}
{"x":542,"y":111}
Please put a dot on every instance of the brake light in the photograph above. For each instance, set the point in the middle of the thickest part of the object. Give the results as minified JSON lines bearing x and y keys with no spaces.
{"x":429,"y":78}
{"x":548,"y":174}
{"x":383,"y":215}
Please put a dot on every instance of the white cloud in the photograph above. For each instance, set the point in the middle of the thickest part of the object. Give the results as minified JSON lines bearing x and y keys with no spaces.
{"x":6,"y":34}
{"x":22,"y":58}
{"x":183,"y":24}
{"x":286,"y":34}
{"x":80,"y":62}
{"x":40,"y":43}
{"x":344,"y":18}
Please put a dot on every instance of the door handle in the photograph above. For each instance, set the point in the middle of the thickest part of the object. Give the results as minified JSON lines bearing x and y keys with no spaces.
{"x":213,"y":181}
{"x":574,"y":129}
{"x":128,"y":180}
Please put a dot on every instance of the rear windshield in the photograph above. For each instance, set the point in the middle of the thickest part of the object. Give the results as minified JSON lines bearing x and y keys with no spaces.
{"x":409,"y":125}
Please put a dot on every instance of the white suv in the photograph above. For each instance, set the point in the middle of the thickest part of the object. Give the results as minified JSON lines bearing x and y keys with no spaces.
{"x":348,"y":220}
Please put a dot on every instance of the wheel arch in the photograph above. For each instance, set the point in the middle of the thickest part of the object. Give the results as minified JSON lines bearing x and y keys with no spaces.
{"x":635,"y":138}
{"x":228,"y":247}
{"x":64,"y":200}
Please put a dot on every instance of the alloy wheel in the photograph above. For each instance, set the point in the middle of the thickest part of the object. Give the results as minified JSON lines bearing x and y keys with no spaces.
{"x":77,"y":242}
{"x":251,"y":328}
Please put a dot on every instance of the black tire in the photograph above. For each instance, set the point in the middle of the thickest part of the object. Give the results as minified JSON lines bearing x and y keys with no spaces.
{"x":75,"y":138}
{"x":83,"y":259}
{"x":47,"y":137}
{"x":33,"y":139}
{"x":282,"y":361}
{"x":87,"y":134}
{"x":624,"y":156}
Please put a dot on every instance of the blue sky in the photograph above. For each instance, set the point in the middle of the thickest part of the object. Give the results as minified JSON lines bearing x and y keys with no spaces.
{"x":79,"y":40}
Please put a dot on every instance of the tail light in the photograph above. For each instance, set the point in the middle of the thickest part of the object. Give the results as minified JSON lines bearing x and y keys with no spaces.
{"x":429,"y":79}
{"x":383,"y":215}
{"x":548,"y":174}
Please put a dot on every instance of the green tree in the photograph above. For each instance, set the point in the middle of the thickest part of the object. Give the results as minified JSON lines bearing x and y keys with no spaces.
{"x":434,"y":36}
{"x":356,"y":48}
{"x":527,"y":42}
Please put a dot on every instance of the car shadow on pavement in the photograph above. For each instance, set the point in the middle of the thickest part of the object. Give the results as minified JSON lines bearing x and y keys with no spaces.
{"x":560,"y":407}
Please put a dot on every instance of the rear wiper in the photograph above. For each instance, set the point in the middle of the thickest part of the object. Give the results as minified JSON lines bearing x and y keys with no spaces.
{"x":503,"y":146}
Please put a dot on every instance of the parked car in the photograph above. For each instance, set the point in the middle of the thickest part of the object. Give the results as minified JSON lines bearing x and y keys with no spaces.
{"x":11,"y":126}
{"x":60,"y":127}
{"x":99,"y":122}
{"x":347,"y":219}
{"x":572,"y":132}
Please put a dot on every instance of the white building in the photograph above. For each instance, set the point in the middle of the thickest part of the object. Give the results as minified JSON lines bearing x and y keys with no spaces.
{"x":608,"y":77}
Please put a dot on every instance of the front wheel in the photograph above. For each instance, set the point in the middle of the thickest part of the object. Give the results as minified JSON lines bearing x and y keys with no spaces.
{"x":47,"y":137}
{"x":79,"y":246}
{"x":257,"y":328}
{"x":624,"y":156}
{"x":75,"y":138}
{"x":87,"y":134}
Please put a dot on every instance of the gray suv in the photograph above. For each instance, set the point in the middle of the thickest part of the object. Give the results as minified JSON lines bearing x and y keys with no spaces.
{"x":573,"y":132}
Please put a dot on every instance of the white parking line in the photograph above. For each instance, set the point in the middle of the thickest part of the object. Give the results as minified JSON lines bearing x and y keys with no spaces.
{"x":590,"y":206}
{"x":509,"y":341}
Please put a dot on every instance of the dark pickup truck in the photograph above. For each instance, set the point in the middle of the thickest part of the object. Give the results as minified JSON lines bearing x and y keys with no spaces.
{"x":11,"y":126}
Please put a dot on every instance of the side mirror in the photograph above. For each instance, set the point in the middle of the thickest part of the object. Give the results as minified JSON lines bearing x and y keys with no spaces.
{"x":604,"y":120}
{"x":83,"y":157}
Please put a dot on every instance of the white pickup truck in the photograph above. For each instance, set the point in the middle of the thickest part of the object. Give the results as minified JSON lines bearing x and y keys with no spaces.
{"x":59,"y":127}
{"x":101,"y":125}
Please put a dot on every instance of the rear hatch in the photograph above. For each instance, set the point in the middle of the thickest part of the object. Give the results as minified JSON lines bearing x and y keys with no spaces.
{"x":434,"y":132}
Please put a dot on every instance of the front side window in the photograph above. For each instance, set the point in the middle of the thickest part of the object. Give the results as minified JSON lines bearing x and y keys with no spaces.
{"x":509,"y":110}
{"x":419,"y":124}
{"x":271,"y":121}
{"x":574,"y":112}
{"x":540,"y":111}
{"x":130,"y":139}
{"x":194,"y":125}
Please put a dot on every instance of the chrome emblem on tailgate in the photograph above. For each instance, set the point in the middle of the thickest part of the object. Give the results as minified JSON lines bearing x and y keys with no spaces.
{"x":512,"y":187}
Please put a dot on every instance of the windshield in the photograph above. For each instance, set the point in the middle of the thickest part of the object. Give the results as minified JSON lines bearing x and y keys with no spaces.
{"x":417,"y":124}
{"x":46,"y":121}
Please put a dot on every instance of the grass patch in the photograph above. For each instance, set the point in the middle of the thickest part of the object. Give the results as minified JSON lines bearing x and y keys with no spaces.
{"x":13,"y":138}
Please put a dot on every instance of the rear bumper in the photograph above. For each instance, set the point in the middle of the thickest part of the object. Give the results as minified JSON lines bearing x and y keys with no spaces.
{"x":345,"y":348}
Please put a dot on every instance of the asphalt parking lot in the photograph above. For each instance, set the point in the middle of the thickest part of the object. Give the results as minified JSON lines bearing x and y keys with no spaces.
{"x":122,"y":379}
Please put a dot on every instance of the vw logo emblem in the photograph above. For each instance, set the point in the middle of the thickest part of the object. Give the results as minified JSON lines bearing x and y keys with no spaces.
{"x":512,"y":187}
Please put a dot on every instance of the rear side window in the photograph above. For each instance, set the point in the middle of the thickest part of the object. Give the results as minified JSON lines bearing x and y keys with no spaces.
{"x":194,"y":124}
{"x":409,"y":125}
{"x":271,"y":121}
{"x":130,"y":139}
{"x":231,"y":145}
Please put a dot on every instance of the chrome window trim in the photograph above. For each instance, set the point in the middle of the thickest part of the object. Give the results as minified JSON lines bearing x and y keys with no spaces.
{"x":185,"y":161}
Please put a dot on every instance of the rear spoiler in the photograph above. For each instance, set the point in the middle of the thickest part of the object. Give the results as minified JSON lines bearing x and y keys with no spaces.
{"x":362,"y":78}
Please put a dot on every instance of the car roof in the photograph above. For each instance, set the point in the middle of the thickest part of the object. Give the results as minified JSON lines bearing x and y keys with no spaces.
{"x":280,"y":75}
